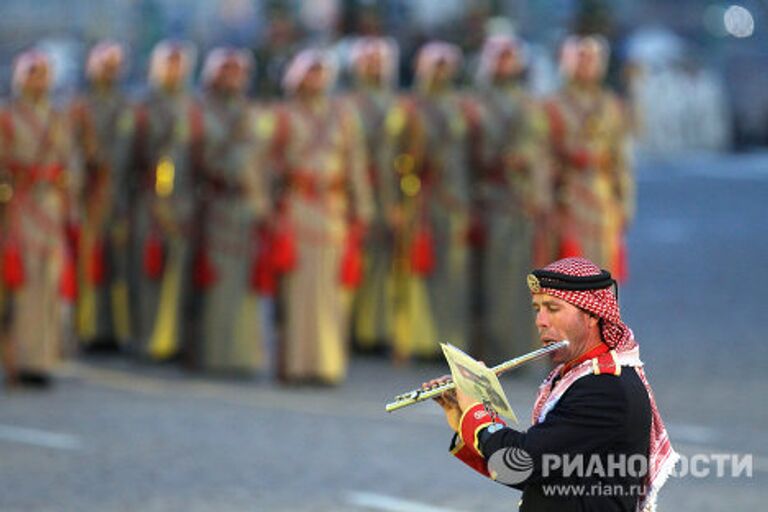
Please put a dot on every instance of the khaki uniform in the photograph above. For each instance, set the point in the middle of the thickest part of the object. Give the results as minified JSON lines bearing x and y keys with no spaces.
{"x":322,"y":167}
{"x":36,"y":155}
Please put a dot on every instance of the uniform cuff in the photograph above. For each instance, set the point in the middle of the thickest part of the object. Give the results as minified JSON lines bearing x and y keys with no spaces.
{"x":468,"y":456}
{"x":472,"y":422}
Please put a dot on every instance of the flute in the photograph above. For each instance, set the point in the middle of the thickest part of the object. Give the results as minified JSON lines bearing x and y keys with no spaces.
{"x":420,"y":395}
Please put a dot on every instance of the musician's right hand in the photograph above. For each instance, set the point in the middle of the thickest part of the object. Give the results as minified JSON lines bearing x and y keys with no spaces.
{"x":447,"y":401}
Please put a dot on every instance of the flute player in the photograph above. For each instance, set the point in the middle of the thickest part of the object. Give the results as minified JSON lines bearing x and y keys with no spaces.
{"x":597,"y":441}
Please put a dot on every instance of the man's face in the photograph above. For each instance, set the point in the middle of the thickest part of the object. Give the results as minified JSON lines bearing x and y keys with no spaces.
{"x":173,"y":74}
{"x":37,"y":81}
{"x":315,"y":80}
{"x":557,"y":320}
{"x":443,"y":72}
{"x":110,"y":69}
{"x":371,"y":67}
{"x":507,"y":65}
{"x":231,"y":77}
{"x":589,"y":66}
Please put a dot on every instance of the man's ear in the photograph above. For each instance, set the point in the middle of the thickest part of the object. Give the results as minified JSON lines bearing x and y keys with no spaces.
{"x":593,"y":319}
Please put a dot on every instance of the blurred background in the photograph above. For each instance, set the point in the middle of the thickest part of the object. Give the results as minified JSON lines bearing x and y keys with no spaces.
{"x":672,"y":58}
{"x":118,"y":433}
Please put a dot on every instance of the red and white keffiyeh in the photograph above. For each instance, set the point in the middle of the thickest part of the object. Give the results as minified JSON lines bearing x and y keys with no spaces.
{"x":618,"y":336}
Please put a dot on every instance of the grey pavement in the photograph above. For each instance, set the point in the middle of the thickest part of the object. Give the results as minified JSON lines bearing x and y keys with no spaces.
{"x":116,"y":435}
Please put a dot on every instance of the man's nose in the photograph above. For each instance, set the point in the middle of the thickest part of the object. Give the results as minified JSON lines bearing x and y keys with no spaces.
{"x":542,"y":320}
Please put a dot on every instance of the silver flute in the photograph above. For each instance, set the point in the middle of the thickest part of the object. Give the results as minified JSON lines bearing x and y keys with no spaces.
{"x":420,"y":395}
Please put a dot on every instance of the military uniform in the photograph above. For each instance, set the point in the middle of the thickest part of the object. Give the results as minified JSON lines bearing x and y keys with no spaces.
{"x":324,"y":206}
{"x":590,"y":146}
{"x":324,"y":189}
{"x":234,"y":199}
{"x":597,"y":440}
{"x":103,"y":125}
{"x":617,"y":425}
{"x":372,"y":320}
{"x":38,"y":267}
{"x":168,"y":130}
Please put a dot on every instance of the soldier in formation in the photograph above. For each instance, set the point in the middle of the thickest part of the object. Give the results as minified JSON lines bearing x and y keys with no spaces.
{"x":103,"y":127}
{"x":374,"y":66}
{"x":40,"y":186}
{"x":594,"y":187}
{"x":233,"y":203}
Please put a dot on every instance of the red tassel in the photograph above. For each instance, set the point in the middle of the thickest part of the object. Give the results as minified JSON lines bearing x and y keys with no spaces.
{"x":154,"y":256}
{"x":283,"y":250}
{"x":203,"y":270}
{"x":569,"y":248}
{"x":96,"y":270}
{"x":13,"y":266}
{"x":352,"y":259}
{"x":68,"y":281}
{"x":621,"y":264}
{"x":263,"y":278}
{"x":423,"y":252}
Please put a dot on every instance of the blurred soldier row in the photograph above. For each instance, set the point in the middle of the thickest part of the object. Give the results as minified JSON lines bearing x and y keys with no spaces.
{"x":398,"y":220}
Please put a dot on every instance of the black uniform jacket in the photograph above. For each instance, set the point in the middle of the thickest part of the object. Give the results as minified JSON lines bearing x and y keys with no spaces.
{"x":601,"y":419}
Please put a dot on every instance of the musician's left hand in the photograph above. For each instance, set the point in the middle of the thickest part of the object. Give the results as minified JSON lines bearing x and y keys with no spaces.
{"x":447,"y":401}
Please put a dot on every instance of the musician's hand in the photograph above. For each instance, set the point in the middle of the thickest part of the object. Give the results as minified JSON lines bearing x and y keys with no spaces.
{"x":447,"y":401}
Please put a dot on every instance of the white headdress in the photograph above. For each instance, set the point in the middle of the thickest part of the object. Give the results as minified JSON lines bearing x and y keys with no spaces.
{"x":24,"y":63}
{"x":385,"y":47}
{"x":217,"y":57}
{"x":163,"y":51}
{"x":433,"y":53}
{"x":304,"y":61}
{"x":101,"y":53}
{"x":493,"y":48}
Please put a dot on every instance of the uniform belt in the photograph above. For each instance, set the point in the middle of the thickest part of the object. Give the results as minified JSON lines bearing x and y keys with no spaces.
{"x":309,"y":184}
{"x":32,"y":174}
{"x":222,"y":186}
